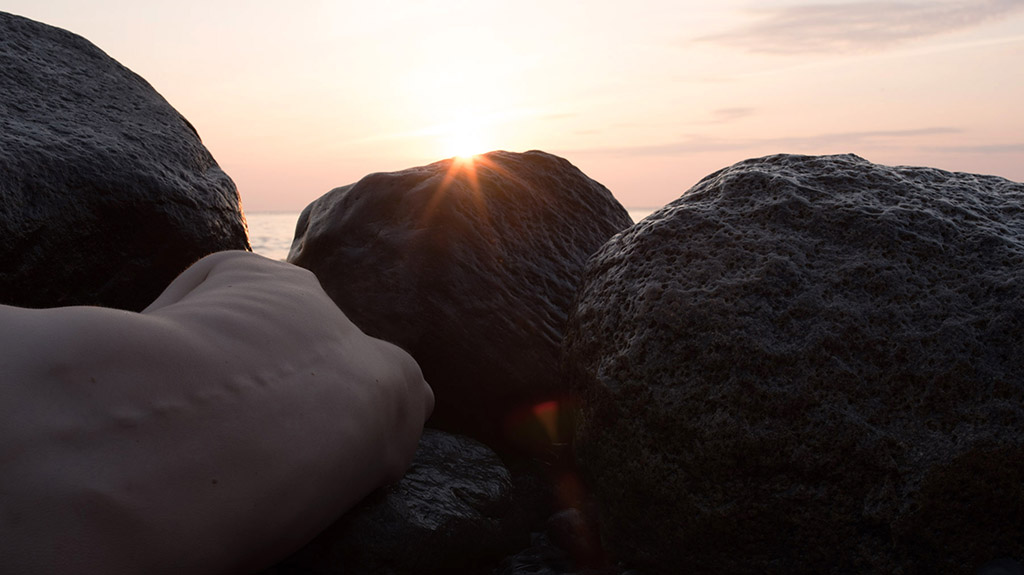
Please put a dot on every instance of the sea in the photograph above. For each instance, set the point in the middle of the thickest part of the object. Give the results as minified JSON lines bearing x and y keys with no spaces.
{"x":271,"y":233}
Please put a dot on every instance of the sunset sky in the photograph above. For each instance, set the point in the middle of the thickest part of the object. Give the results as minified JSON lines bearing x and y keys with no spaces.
{"x":645,"y":96}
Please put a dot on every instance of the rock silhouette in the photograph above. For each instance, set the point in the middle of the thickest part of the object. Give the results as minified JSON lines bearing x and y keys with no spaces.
{"x":469,"y":266}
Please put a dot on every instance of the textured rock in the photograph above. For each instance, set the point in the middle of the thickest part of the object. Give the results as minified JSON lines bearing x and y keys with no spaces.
{"x":540,"y":558}
{"x":471,"y":267}
{"x":106,"y":192}
{"x":809,"y":365}
{"x":573,"y":531}
{"x":543,"y":557}
{"x":452,"y":512}
{"x":1002,"y":566}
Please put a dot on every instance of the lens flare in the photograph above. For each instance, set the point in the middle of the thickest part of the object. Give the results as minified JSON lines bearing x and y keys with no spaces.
{"x":542,"y":429}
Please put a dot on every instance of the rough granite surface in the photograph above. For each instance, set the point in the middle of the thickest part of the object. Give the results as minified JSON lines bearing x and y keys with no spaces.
{"x":809,"y":365}
{"x":470,"y":267}
{"x":106,"y":192}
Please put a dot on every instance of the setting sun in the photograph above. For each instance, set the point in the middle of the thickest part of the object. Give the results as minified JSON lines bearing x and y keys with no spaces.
{"x":311,"y":95}
{"x":463,"y":138}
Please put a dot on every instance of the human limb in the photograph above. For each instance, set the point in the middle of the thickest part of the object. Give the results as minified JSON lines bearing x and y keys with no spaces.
{"x":228,"y":422}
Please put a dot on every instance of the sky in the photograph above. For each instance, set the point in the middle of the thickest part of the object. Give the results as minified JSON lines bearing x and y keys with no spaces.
{"x":646,"y":96}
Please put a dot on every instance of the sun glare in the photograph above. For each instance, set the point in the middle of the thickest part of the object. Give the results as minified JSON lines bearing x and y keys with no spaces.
{"x":464,"y":138}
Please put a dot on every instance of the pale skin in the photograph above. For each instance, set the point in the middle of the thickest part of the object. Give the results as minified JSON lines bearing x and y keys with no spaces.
{"x":214,"y":432}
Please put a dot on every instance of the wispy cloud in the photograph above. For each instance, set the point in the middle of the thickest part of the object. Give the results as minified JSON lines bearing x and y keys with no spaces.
{"x":721,"y":116}
{"x":847,"y":141}
{"x":985,"y":149}
{"x":726,"y":115}
{"x":858,"y":26}
{"x":559,"y":116}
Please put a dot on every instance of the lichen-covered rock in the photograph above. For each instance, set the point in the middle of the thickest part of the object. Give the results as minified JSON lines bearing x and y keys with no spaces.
{"x":809,"y":365}
{"x":470,"y":267}
{"x":106,"y":192}
{"x":452,"y":512}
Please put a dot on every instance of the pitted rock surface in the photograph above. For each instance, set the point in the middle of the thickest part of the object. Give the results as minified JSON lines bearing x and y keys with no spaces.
{"x":470,"y":267}
{"x":809,"y":365}
{"x":452,"y":512}
{"x":106,"y":192}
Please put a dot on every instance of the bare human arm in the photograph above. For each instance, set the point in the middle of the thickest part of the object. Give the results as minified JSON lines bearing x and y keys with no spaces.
{"x":215,"y":432}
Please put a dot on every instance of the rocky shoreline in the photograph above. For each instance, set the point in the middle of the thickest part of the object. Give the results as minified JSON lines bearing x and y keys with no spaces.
{"x":805,"y":364}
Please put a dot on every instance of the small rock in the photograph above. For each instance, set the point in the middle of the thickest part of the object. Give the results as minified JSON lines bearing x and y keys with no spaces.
{"x":540,"y":558}
{"x":571,"y":530}
{"x":453,"y":511}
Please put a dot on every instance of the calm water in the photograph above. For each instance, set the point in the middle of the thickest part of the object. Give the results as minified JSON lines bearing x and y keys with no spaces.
{"x":271,"y":233}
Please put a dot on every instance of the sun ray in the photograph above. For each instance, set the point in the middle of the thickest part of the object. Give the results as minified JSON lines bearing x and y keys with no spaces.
{"x":461,"y":176}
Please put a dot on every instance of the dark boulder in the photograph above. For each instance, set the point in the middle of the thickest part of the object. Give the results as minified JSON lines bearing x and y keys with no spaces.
{"x":469,"y":266}
{"x":809,"y":365}
{"x":453,"y":512}
{"x":106,"y":192}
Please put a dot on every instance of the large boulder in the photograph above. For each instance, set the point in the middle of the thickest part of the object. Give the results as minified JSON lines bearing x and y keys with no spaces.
{"x":470,"y":266}
{"x":809,"y":365}
{"x":106,"y":192}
